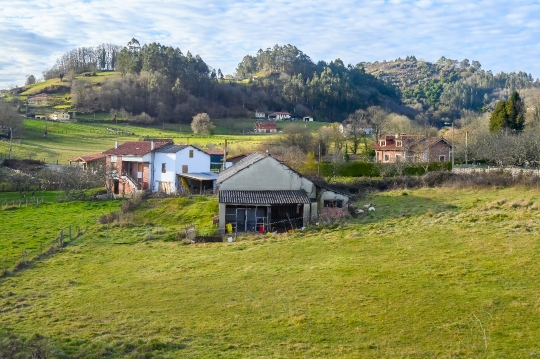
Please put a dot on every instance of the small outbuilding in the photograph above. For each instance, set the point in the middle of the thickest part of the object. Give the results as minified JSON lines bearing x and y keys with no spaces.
{"x":262,"y":194}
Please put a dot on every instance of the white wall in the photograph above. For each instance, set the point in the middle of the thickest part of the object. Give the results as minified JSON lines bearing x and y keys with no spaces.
{"x":200,"y":162}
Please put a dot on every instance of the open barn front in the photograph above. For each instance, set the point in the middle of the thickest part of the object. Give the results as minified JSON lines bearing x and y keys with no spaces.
{"x":264,"y":211}
{"x":269,"y":218}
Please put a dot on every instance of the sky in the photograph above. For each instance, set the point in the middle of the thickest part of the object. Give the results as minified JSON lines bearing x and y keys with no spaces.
{"x":501,"y":35}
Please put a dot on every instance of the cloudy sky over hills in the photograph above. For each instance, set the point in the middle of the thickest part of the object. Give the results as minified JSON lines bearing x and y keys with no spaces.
{"x":502,"y":35}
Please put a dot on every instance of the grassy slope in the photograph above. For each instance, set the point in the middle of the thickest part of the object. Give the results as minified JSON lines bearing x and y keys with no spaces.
{"x":437,"y":273}
{"x":67,"y":140}
{"x":28,"y":226}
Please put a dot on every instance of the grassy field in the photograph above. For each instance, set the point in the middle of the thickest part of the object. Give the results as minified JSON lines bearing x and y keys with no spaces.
{"x":67,"y":140}
{"x":432,"y":273}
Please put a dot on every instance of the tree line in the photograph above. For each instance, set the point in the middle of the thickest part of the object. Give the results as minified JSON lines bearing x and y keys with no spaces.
{"x":84,"y":59}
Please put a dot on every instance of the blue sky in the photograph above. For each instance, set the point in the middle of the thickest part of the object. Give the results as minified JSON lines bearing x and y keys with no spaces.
{"x":502,"y":35}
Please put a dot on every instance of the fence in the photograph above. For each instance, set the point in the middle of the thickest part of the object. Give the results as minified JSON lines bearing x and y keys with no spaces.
{"x":20,"y":260}
{"x":34,"y":201}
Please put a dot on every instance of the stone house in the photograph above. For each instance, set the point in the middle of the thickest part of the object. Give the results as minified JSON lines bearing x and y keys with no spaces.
{"x":412,"y":148}
{"x":131,"y":164}
{"x":89,"y":162}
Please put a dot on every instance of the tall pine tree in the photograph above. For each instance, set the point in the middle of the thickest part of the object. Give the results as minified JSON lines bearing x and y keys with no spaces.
{"x":515,"y":111}
{"x":499,"y":118}
{"x":508,"y":114}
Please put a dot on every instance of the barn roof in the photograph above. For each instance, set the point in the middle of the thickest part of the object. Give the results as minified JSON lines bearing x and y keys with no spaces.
{"x":264,"y":197}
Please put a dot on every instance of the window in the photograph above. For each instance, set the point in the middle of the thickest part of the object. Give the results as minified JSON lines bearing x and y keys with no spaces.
{"x":442,"y":158}
{"x":399,"y":143}
{"x":163,"y":168}
{"x":184,"y":169}
{"x":382,"y":143}
{"x":333,"y":203}
{"x":386,"y":158}
{"x":398,"y":158}
{"x":114,"y":159}
{"x":190,"y":153}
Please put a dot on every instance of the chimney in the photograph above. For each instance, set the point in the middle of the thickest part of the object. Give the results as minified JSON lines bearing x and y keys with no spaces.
{"x":152,"y":145}
{"x":116,"y":144}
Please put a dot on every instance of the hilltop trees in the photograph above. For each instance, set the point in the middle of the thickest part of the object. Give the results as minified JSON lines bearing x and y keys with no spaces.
{"x":102,"y":57}
{"x":508,"y":114}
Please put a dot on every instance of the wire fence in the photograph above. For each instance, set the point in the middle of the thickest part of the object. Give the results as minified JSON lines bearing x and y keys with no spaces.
{"x":18,"y":259}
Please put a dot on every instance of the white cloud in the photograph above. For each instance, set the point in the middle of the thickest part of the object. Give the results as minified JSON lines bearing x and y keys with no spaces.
{"x":502,"y":36}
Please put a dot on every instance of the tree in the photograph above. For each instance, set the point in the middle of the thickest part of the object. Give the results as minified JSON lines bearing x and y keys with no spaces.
{"x":11,"y":121}
{"x":355,"y":128}
{"x":30,"y":80}
{"x":498,"y":118}
{"x":508,"y":114}
{"x":202,"y":124}
{"x":378,"y":119}
{"x":515,"y":111}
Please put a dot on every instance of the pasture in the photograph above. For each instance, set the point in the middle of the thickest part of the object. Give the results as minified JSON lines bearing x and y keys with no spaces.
{"x":432,"y":273}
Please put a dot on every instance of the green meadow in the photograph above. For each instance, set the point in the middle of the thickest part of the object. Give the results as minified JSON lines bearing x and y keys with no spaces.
{"x":432,"y":273}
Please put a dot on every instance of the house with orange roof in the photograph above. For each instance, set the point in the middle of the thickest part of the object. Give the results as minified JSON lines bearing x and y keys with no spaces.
{"x":412,"y":148}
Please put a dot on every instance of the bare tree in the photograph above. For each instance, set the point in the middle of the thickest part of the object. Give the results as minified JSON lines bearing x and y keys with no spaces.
{"x":377,"y":119}
{"x":355,"y":128}
{"x":11,"y":121}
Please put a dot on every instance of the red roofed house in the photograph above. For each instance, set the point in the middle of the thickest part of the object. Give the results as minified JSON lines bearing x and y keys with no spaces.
{"x":412,"y":148}
{"x":265,"y":127}
{"x":89,"y":161}
{"x":131,"y":163}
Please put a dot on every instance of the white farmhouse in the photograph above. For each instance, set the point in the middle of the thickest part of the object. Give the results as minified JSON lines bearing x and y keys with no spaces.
{"x":178,"y":167}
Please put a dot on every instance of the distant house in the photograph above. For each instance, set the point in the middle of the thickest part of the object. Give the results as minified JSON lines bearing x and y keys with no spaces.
{"x":59,"y":116}
{"x":265,"y":127}
{"x":261,"y":193}
{"x":41,"y":99}
{"x":89,"y":162}
{"x":345,"y":129}
{"x":280,"y":116}
{"x":260,"y":115}
{"x":412,"y":148}
{"x":308,"y":119}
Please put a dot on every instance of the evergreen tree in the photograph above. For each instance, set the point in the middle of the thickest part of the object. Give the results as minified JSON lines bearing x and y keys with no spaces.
{"x":499,"y":118}
{"x":515,"y":111}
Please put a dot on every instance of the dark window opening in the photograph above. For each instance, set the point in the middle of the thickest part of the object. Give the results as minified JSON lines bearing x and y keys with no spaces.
{"x":333,"y":204}
{"x":163,"y":168}
{"x":190,"y":153}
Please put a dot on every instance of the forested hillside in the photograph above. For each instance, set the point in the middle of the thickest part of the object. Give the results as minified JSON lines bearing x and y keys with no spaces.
{"x":447,"y":87}
{"x":158,"y":83}
{"x":161,"y":83}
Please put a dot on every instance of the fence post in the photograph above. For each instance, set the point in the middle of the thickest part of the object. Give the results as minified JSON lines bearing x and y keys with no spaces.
{"x":62,"y":238}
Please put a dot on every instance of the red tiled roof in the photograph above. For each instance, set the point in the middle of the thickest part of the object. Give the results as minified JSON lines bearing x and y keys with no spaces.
{"x":88,"y":158}
{"x":214,"y":152}
{"x":266,"y":126}
{"x":138,"y":148}
{"x":409,"y":142}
